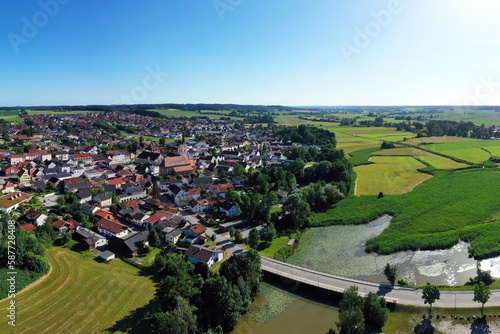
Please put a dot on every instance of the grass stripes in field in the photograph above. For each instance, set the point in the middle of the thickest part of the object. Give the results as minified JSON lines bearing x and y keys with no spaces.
{"x":80,"y":295}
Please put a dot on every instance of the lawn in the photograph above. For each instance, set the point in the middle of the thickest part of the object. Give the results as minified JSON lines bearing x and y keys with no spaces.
{"x":434,"y":160}
{"x":274,"y":247}
{"x":390,"y":175}
{"x":81,"y":295}
{"x":452,"y":206}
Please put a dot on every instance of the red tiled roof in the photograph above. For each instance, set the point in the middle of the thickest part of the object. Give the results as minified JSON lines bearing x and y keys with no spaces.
{"x":112,"y":226}
{"x":27,"y":227}
{"x":198,"y":229}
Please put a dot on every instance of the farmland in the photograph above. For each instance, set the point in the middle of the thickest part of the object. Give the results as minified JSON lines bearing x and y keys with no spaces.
{"x":476,"y":151}
{"x":451,"y":206}
{"x":434,"y":160}
{"x":81,"y":295}
{"x":390,"y":175}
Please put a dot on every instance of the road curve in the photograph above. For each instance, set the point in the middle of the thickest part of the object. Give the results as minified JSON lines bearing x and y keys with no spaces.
{"x":404,"y":296}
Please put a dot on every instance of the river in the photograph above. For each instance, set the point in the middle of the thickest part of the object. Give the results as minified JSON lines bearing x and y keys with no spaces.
{"x":340,"y":250}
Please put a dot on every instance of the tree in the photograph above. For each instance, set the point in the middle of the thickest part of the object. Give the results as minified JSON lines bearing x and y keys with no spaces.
{"x":115,"y":199}
{"x":238,"y":236}
{"x":391,"y":273}
{"x":269,"y":233}
{"x":298,"y":211}
{"x":482,"y":294}
{"x":253,"y":238}
{"x":162,"y":142}
{"x":375,"y":310}
{"x":430,"y":294}
{"x":351,"y":319}
{"x":155,"y":193}
{"x":153,"y":238}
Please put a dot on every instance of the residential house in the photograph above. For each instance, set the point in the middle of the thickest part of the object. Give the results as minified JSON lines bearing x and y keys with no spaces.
{"x":89,"y":239}
{"x":150,"y":157}
{"x":64,"y":226}
{"x":197,"y":253}
{"x":35,"y":216}
{"x":220,"y":189}
{"x":112,"y":228}
{"x":199,"y":205}
{"x":195,"y":234}
{"x":103,"y":200}
{"x":12,"y":201}
{"x":229,"y":209}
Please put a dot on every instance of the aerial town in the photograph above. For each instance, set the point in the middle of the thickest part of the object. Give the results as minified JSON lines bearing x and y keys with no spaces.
{"x":124,"y":193}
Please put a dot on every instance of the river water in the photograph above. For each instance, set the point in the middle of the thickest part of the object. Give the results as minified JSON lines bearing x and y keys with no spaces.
{"x":340,"y":250}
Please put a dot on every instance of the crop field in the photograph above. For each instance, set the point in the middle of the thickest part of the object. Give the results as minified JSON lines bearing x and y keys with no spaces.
{"x":390,"y":175}
{"x":476,"y":151}
{"x":294,"y":120}
{"x":80,"y":295}
{"x":434,"y":160}
{"x":486,"y":117}
{"x":439,"y":140}
{"x":452,"y":206}
{"x":71,"y":112}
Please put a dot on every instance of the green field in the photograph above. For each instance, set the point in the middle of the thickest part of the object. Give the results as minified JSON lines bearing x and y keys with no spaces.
{"x":71,"y":112}
{"x":352,"y":139}
{"x":452,"y":206}
{"x":434,"y":160}
{"x":390,"y":175}
{"x":476,"y":151}
{"x":80,"y":295}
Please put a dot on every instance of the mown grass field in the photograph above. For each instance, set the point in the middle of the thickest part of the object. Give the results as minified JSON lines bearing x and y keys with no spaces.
{"x":390,"y":175}
{"x":452,"y":206}
{"x":80,"y":295}
{"x":434,"y":160}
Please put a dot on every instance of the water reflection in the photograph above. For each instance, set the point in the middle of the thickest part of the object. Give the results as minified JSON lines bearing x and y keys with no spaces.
{"x":340,"y":250}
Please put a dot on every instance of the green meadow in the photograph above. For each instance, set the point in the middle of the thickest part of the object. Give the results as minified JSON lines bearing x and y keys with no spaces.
{"x":476,"y":151}
{"x":451,"y":206}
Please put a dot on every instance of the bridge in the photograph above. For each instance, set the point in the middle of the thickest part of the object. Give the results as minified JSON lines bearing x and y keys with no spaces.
{"x":400,"y":295}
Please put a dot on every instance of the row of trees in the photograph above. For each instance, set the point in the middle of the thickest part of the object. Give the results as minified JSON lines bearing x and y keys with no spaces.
{"x":304,"y":134}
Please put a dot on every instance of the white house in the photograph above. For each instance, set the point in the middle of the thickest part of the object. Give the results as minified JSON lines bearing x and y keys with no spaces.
{"x":228,"y":209}
{"x":113,"y":228}
{"x":196,"y":253}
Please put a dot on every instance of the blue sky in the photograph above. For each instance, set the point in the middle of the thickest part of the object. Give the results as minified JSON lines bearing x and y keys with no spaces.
{"x":288,"y":52}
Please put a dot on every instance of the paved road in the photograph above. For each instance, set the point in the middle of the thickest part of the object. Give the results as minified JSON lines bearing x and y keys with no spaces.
{"x":224,"y":243}
{"x":404,"y":296}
